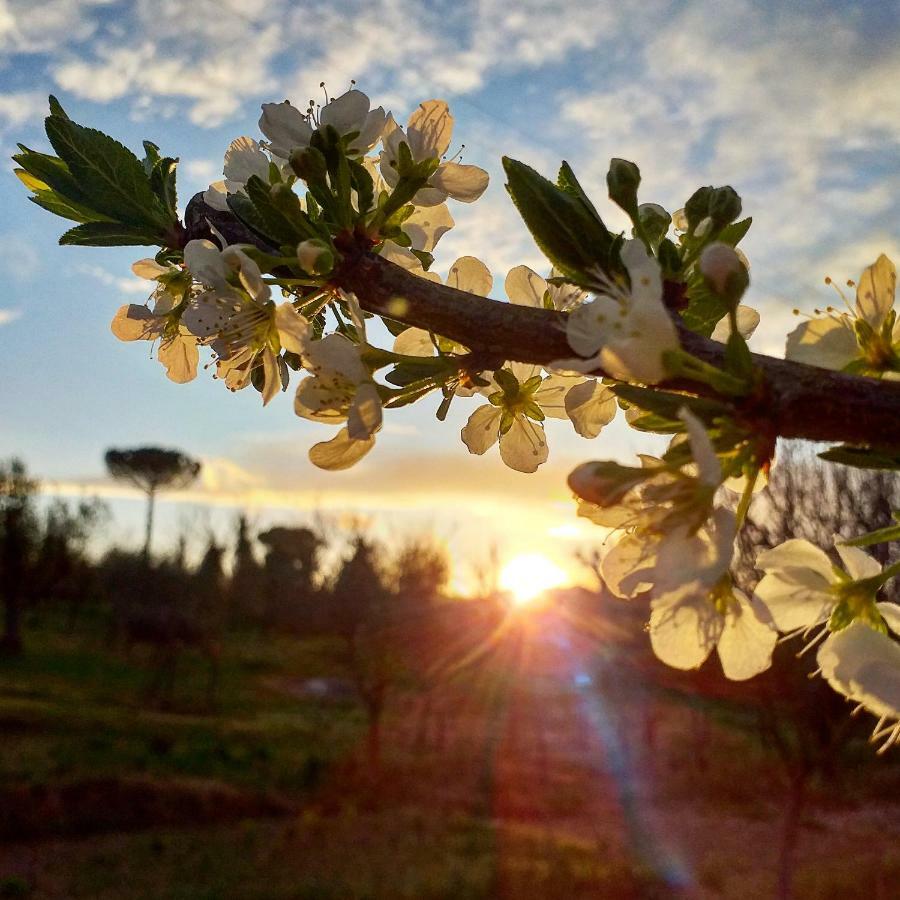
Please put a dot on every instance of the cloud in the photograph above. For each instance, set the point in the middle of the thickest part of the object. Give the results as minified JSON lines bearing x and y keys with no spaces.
{"x":20,"y":107}
{"x":18,"y":257}
{"x":9,"y":315}
{"x":122,"y":284}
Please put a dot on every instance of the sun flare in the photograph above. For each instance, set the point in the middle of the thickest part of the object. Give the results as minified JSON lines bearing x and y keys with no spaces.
{"x":529,"y":575}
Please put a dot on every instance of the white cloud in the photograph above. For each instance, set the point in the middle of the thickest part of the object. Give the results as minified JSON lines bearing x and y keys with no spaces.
{"x":124,"y":284}
{"x":19,"y":257}
{"x":19,"y":107}
{"x":9,"y":315}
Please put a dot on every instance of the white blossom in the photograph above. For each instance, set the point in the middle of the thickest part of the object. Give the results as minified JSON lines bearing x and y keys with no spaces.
{"x":866,"y":338}
{"x":626,"y":333}
{"x":427,"y":135}
{"x":863,"y":664}
{"x":237,"y":318}
{"x":513,"y":416}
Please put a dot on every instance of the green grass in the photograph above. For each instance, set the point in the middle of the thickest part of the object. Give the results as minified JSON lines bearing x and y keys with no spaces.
{"x":269,"y":796}
{"x":71,"y":709}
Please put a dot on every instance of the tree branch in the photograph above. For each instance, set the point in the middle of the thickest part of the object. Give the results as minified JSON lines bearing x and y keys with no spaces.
{"x":799,"y":401}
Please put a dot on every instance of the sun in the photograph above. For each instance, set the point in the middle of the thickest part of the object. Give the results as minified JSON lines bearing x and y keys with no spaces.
{"x":529,"y":575}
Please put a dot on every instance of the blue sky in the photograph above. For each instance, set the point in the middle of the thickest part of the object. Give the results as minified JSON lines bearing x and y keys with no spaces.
{"x":796,"y":105}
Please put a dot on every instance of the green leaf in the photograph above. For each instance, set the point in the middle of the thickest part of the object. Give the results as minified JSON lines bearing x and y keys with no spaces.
{"x":704,"y":308}
{"x":242,"y":206}
{"x":738,"y":360}
{"x":862,"y":457}
{"x":56,"y":108}
{"x":151,"y":156}
{"x":734,"y":233}
{"x":655,"y":424}
{"x":412,"y":392}
{"x":363,"y":184}
{"x":880,"y":536}
{"x":162,"y":182}
{"x":109,"y":174}
{"x":405,"y":374}
{"x":667,"y":405}
{"x":569,"y":234}
{"x":55,"y":174}
{"x":108,"y":234}
{"x":52,"y":202}
{"x":568,"y":182}
{"x":284,"y":220}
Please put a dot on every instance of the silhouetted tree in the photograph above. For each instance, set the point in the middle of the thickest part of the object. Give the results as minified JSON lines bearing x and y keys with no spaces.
{"x":152,"y":469}
{"x":245,"y":582}
{"x":18,"y":544}
{"x":421,"y":570}
{"x":362,"y":609}
{"x":62,"y":570}
{"x":289,"y":573}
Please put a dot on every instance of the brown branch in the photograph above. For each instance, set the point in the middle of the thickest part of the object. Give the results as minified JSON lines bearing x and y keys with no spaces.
{"x":800,"y":401}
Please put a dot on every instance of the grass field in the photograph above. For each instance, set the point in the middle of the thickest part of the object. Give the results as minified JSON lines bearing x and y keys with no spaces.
{"x":532,"y":775}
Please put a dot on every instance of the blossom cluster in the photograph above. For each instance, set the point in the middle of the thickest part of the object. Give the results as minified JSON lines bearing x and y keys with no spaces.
{"x":343,"y":178}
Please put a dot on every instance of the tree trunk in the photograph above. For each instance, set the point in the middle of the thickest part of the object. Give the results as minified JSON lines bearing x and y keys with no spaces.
{"x":790,"y":833}
{"x":373,"y":738}
{"x":151,"y":502}
{"x":11,"y":642}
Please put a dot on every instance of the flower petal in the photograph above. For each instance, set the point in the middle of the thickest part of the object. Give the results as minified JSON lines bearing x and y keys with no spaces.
{"x":133,"y":322}
{"x":345,"y":113}
{"x":293,"y":328}
{"x":525,"y":287}
{"x":829,"y":343}
{"x":427,"y":225}
{"x":746,"y":645}
{"x":286,"y":128}
{"x":463,"y":183}
{"x":683,"y":634}
{"x":875,"y":292}
{"x":180,"y":356}
{"x":482,"y":429}
{"x":551,"y":395}
{"x":590,"y":405}
{"x":341,"y":452}
{"x":858,"y":563}
{"x":747,"y":321}
{"x":524,"y":446}
{"x":149,"y":269}
{"x":891,"y":614}
{"x":429,"y":130}
{"x":627,"y":567}
{"x":864,"y":666}
{"x":471,"y":275}
{"x":414,"y":342}
{"x":365,"y":415}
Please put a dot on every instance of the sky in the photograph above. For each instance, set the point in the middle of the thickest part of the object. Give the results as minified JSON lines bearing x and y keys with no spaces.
{"x":796,"y":105}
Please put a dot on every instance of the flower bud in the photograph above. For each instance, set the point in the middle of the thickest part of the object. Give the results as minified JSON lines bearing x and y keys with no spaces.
{"x":309,"y":164}
{"x":623,"y":179}
{"x":725,"y":274}
{"x":679,"y":220}
{"x":697,"y":207}
{"x":655,"y":220}
{"x":724,"y":206}
{"x":315,"y":257}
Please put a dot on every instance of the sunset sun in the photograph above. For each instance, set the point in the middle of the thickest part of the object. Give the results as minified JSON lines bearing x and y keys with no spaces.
{"x":529,"y":575}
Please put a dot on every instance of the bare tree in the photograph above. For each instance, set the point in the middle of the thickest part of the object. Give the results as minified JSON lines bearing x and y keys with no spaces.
{"x":801,"y":718}
{"x":18,"y":543}
{"x":152,"y":469}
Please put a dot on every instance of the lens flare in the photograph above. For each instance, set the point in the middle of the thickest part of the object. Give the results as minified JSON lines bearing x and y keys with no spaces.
{"x":529,"y":575}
